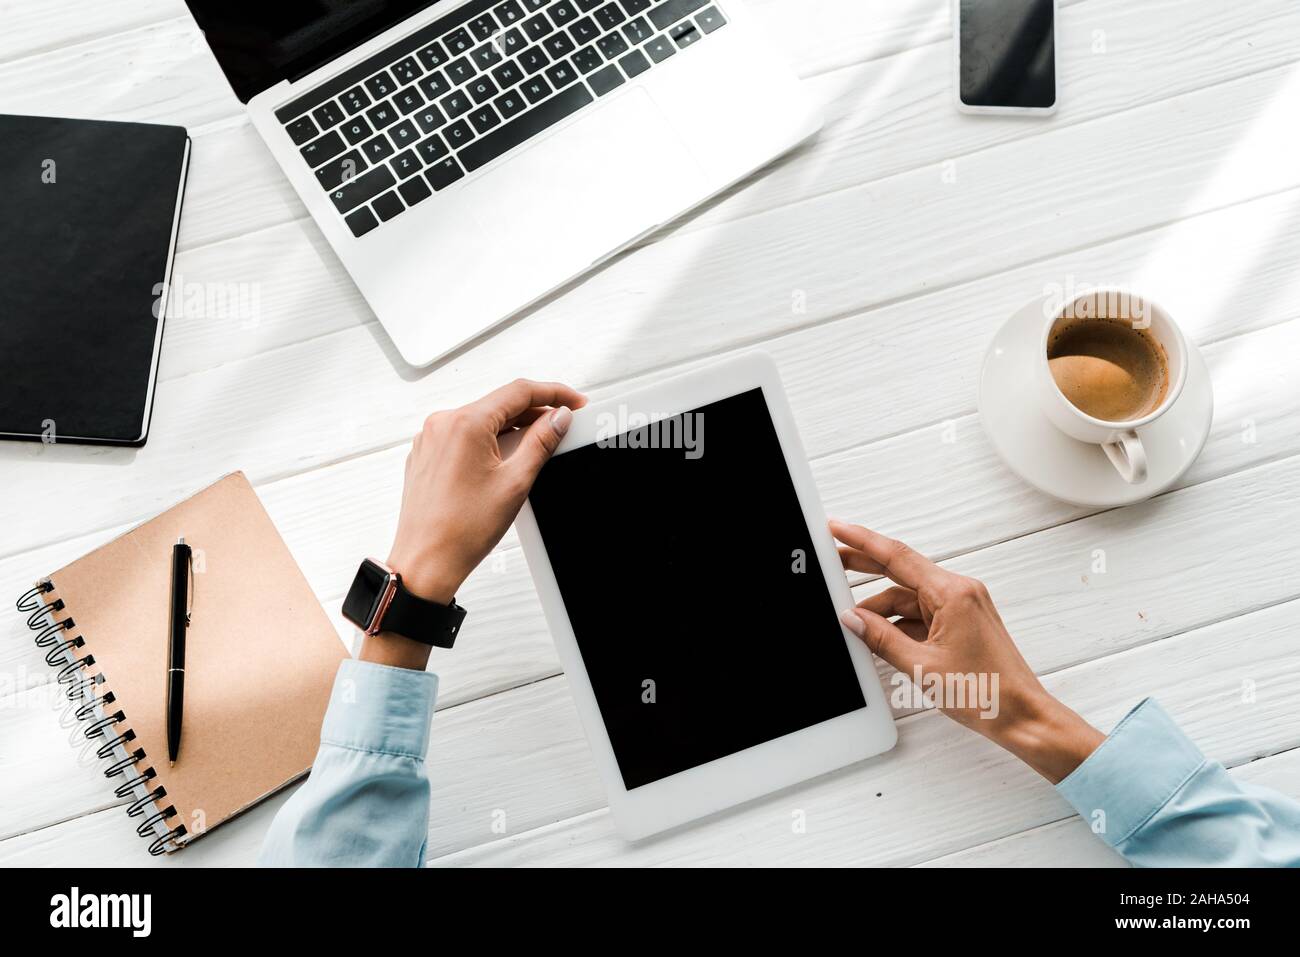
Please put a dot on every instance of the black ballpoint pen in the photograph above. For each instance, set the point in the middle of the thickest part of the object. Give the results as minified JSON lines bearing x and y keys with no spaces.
{"x":180,"y":621}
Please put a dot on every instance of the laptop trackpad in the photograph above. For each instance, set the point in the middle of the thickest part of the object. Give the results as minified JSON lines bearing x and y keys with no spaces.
{"x":589,"y":188}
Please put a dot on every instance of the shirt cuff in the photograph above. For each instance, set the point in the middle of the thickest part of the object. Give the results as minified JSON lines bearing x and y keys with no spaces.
{"x":1133,"y":774}
{"x":381,"y":709}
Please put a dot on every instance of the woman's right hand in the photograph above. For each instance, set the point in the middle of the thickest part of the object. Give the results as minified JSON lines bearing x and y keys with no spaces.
{"x":934,"y":623}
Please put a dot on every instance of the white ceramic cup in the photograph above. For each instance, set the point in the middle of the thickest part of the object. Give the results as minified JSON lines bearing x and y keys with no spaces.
{"x":1121,"y":441}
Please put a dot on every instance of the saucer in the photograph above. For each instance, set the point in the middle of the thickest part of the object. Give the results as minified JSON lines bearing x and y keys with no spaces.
{"x":1065,"y":468}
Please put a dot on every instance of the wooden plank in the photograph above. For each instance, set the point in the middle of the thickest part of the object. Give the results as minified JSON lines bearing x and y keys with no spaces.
{"x":35,"y":26}
{"x":247,"y":411}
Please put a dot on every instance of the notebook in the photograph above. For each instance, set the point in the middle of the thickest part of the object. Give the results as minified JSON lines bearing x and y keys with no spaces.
{"x":261,"y":656}
{"x":91,"y":214}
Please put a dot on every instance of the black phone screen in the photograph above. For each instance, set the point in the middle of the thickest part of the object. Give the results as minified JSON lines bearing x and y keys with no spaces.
{"x":1008,"y":53}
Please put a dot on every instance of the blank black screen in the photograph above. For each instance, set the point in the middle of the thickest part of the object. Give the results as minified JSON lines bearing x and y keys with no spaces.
{"x":1008,"y":54}
{"x":260,"y":42}
{"x":685,"y":573}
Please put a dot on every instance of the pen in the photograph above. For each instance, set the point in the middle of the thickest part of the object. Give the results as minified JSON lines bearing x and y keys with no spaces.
{"x":182,"y":571}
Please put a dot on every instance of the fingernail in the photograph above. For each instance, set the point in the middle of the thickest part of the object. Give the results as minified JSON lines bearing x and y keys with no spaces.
{"x":853,"y":623}
{"x":560,"y":420}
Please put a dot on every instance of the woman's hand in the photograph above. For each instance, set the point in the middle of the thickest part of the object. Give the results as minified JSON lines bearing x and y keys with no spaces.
{"x":460,"y":496}
{"x":946,"y":624}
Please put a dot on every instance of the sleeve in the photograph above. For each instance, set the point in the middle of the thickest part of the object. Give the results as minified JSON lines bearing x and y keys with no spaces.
{"x":1150,"y":794}
{"x":366,"y":802}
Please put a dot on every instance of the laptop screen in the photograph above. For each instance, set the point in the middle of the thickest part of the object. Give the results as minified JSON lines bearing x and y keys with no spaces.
{"x":258,"y":44}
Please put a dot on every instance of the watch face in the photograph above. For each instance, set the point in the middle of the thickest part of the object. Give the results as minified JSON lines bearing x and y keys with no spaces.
{"x":366,"y":593}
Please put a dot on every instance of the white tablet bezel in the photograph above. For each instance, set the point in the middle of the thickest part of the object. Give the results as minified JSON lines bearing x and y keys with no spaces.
{"x":763,"y":768}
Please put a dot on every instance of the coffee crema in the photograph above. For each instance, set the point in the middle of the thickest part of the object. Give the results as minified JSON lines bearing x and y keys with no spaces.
{"x":1107,"y":368}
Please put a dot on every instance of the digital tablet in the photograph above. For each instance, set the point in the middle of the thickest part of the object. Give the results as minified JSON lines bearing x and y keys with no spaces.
{"x":693,"y":591}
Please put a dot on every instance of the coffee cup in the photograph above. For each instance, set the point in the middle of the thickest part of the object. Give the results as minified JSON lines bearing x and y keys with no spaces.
{"x":1109,"y":364}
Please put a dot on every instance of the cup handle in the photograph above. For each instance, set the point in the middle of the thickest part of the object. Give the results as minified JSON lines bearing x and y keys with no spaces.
{"x":1129,"y":458}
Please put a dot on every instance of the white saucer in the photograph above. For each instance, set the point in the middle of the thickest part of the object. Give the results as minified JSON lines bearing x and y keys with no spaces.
{"x":1074,"y":471}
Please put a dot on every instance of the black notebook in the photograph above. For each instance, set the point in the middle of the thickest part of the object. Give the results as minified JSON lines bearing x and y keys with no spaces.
{"x":91,"y":211}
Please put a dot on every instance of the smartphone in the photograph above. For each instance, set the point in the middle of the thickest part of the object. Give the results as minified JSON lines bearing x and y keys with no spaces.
{"x":1006,"y":56}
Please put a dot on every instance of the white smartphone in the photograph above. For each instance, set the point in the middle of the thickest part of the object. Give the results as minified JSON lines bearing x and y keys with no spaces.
{"x":1005,"y":60}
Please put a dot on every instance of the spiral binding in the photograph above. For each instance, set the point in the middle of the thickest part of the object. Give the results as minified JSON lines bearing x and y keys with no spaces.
{"x":79,"y":682}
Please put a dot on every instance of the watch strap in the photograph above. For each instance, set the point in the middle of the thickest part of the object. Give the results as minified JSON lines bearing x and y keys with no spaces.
{"x":424,"y":621}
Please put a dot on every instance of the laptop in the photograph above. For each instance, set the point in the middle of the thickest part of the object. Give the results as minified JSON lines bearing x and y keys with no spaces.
{"x":464,"y":158}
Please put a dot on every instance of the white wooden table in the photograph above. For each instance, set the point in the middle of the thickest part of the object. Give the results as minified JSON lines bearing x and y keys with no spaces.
{"x":874,"y":264}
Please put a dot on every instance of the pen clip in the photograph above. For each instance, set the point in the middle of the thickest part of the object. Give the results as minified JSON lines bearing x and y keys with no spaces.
{"x":189,"y":583}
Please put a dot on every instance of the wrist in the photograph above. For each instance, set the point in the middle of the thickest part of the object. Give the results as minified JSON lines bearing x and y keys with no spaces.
{"x":1048,"y":736}
{"x":433,"y":580}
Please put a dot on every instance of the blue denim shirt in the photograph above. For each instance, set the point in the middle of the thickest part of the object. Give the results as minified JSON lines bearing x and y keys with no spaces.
{"x":1148,"y":791}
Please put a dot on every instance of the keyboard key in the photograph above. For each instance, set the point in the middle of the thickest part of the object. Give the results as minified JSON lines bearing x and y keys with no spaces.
{"x":483,"y":26}
{"x":529,"y":124}
{"x":536,"y":89}
{"x":483,"y":89}
{"x":459,"y":41}
{"x":710,"y":19}
{"x":458,"y":134}
{"x":455,"y":104}
{"x":388,"y":206}
{"x":356,"y":129}
{"x":666,"y":14}
{"x":484,"y":118}
{"x":612,"y":45}
{"x":634,"y":64}
{"x":508,"y":104}
{"x":633,"y":7}
{"x":327,"y":147}
{"x":512,"y":41}
{"x":355,"y":100}
{"x":430,"y":118}
{"x":381,"y":85}
{"x":638,"y":31}
{"x":409,"y":100}
{"x":433,"y":56}
{"x":432,"y":149}
{"x":415,"y":190}
{"x":533,"y":59}
{"x":301,"y":130}
{"x":377,"y":149}
{"x":610,"y":15}
{"x":563,"y":12}
{"x":562,"y":74}
{"x":508,"y":74}
{"x":382,"y":115}
{"x":660,"y":48}
{"x":444,"y":173}
{"x":328,"y":114}
{"x":460,"y":71}
{"x":365,"y":187}
{"x":684,"y":34}
{"x":405,"y":164}
{"x":559,"y":45}
{"x":486,"y":55}
{"x":407,"y":70}
{"x":510,"y":12}
{"x":584,"y":30}
{"x":434,"y":85}
{"x":586,"y":6}
{"x":537,"y":27}
{"x":346,"y":167}
{"x":606,"y":80}
{"x":403,"y":134}
{"x":361,"y":222}
{"x":535,"y":4}
{"x":587,"y":59}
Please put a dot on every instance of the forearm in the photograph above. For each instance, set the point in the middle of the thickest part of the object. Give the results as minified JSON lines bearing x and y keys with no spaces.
{"x":366,"y":802}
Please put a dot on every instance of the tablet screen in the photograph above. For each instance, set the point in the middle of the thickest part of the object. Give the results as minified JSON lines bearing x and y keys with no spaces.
{"x":690,"y":579}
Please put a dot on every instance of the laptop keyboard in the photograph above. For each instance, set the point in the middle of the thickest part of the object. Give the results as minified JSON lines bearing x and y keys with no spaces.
{"x":465,"y":90}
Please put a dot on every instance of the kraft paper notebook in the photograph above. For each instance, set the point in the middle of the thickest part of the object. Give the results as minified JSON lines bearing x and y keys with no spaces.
{"x":260,"y":664}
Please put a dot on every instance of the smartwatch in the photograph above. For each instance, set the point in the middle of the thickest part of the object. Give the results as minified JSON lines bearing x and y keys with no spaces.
{"x":377,"y":601}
